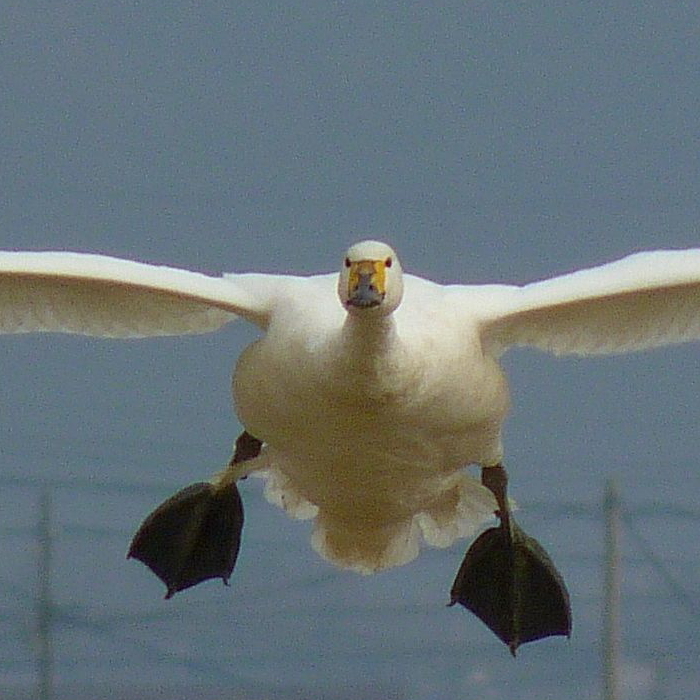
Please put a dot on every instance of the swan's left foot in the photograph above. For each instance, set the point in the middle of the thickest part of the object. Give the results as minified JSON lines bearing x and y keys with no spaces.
{"x":508,"y":580}
{"x":195,"y":535}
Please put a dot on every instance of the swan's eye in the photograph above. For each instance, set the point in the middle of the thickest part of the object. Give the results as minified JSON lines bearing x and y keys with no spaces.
{"x":388,"y":262}
{"x":347,"y":262}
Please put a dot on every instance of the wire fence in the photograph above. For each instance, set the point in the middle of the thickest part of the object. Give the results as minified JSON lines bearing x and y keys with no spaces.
{"x":74,"y":610}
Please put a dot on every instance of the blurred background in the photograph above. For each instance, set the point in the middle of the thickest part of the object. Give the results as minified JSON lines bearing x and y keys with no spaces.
{"x":487,"y":141}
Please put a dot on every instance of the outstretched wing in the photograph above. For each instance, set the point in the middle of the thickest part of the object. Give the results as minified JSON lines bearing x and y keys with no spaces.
{"x":642,"y":301}
{"x":110,"y":297}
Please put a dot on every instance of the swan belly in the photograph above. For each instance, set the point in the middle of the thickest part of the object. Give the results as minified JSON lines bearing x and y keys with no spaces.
{"x":379,"y":464}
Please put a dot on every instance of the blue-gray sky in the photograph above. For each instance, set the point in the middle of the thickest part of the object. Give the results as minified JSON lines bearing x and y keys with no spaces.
{"x":487,"y":141}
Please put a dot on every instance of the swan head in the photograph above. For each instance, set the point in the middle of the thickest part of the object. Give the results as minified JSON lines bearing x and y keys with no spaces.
{"x":371,"y":280}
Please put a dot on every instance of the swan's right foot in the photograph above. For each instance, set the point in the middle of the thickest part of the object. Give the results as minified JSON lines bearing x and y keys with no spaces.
{"x":195,"y":535}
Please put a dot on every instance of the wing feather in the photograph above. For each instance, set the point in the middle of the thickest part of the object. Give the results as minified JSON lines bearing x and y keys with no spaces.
{"x":643,"y":301}
{"x":110,"y":297}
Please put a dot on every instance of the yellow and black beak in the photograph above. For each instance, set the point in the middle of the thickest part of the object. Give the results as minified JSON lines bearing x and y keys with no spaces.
{"x":366,"y":283}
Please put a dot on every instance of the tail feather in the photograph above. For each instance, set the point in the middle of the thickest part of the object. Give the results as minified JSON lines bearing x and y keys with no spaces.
{"x":366,"y":545}
{"x":366,"y":548}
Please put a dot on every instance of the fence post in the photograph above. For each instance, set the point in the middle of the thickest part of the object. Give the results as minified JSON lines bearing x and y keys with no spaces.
{"x":611,"y":605}
{"x":44,"y":603}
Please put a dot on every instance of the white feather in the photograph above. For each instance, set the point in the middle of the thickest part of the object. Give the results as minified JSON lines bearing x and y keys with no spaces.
{"x":642,"y":301}
{"x":109,"y":297}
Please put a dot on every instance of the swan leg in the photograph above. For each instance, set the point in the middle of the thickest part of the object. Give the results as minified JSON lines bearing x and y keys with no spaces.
{"x":195,"y":535}
{"x":508,"y":580}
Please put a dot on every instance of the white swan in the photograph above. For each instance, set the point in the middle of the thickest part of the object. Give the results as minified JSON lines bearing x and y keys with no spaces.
{"x":369,"y":390}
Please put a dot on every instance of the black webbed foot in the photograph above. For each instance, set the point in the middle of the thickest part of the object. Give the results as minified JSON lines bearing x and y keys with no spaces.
{"x":509,"y":582}
{"x":513,"y":587}
{"x":195,"y":535}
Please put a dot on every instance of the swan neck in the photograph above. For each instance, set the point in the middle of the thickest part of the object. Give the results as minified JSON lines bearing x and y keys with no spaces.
{"x":370,"y":334}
